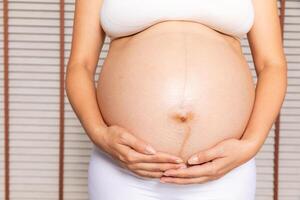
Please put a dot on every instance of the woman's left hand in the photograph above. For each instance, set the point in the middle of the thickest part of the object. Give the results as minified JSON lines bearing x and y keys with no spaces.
{"x":212,"y":163}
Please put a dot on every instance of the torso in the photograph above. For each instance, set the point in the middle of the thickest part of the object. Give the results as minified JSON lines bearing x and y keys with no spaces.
{"x":178,"y":85}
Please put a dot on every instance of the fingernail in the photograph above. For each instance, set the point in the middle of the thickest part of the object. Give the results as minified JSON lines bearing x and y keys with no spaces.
{"x":161,"y":180}
{"x":166,"y":173}
{"x":182,"y":166}
{"x":150,"y":150}
{"x":193,"y":160}
{"x":178,"y":160}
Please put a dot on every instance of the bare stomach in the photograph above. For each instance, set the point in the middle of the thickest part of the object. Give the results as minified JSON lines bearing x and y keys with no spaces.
{"x":180,"y":86}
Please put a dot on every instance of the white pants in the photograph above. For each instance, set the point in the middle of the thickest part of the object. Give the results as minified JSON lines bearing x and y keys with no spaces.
{"x":107,"y":180}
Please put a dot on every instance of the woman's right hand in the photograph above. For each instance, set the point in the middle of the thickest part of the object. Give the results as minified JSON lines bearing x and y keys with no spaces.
{"x":137,"y":156}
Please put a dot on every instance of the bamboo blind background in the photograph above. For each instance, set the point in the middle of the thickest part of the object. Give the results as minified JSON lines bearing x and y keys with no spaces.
{"x":35,"y":50}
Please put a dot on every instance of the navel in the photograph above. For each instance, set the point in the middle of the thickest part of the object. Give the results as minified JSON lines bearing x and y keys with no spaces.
{"x":182,"y":117}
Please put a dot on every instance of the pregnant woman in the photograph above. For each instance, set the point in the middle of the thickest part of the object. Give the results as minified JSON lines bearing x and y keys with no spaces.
{"x":175,"y":113}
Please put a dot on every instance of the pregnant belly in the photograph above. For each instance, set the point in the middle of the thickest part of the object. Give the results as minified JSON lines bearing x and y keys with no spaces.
{"x":179,"y":92}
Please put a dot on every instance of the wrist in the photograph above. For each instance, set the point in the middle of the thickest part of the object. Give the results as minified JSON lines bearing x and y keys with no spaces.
{"x":98,"y":136}
{"x":251,"y":147}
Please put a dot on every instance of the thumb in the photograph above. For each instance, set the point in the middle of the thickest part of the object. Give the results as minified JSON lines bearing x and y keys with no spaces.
{"x":137,"y":144}
{"x":206,"y":155}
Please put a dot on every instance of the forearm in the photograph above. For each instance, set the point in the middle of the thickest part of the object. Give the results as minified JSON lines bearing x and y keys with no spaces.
{"x":269,"y":96}
{"x":81,"y":92}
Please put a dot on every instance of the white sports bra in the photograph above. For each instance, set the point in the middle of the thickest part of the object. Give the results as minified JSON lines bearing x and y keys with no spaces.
{"x":125,"y":17}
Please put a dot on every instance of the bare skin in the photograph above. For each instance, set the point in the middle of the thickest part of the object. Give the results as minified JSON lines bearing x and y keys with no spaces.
{"x":176,"y":95}
{"x":179,"y":87}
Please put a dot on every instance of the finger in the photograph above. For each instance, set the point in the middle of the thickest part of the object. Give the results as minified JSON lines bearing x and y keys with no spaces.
{"x":206,"y":169}
{"x":132,"y":156}
{"x":206,"y":155}
{"x":184,"y":181}
{"x":148,"y":174}
{"x":136,"y":144}
{"x":155,"y":166}
{"x":165,"y":157}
